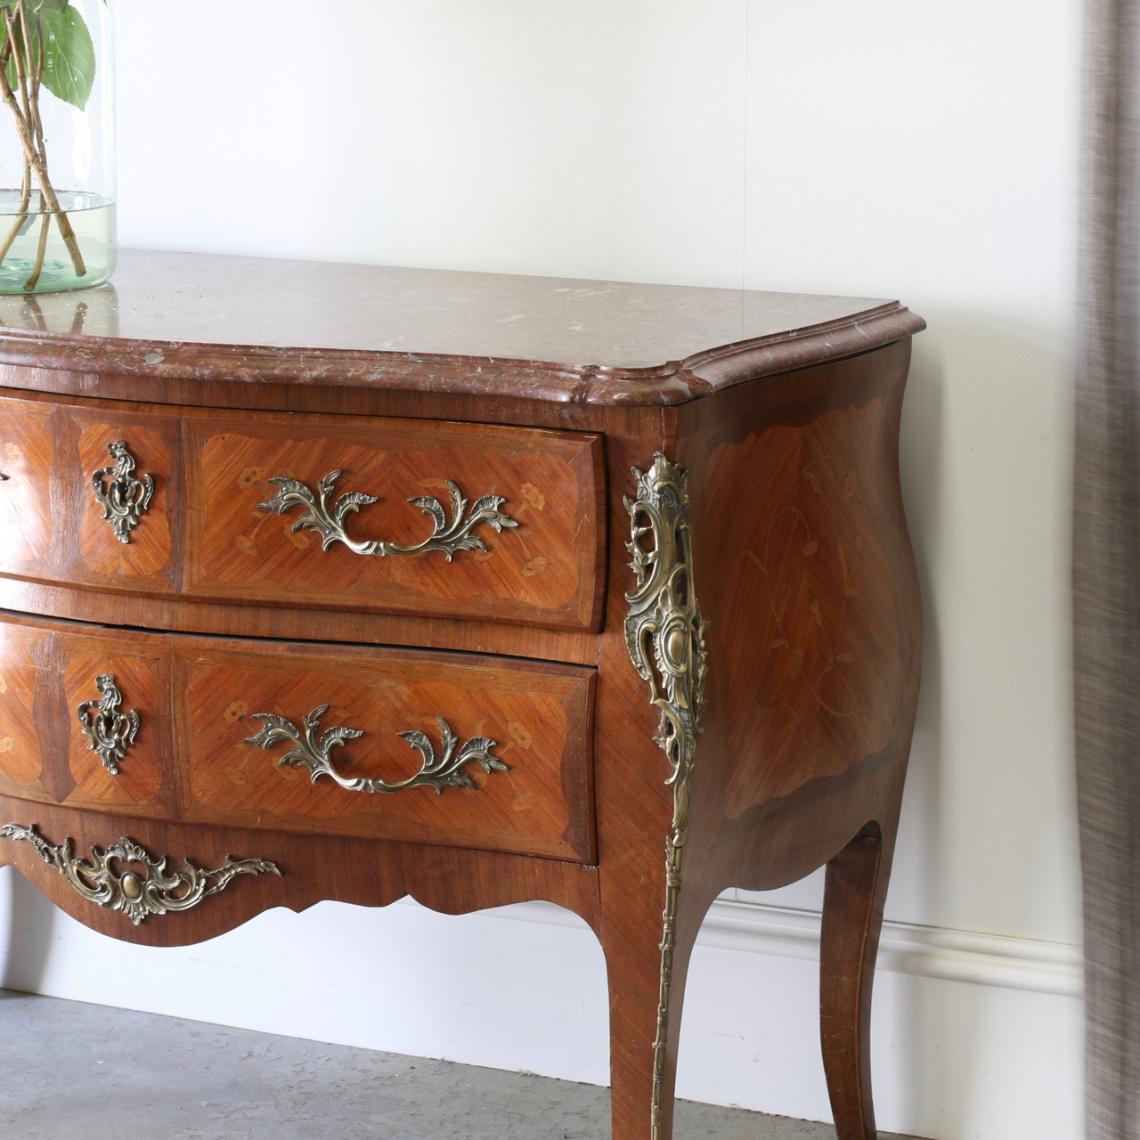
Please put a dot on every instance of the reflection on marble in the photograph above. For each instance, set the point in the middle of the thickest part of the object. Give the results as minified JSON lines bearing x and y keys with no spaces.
{"x":180,"y":298}
{"x":192,"y":319}
{"x":91,"y":312}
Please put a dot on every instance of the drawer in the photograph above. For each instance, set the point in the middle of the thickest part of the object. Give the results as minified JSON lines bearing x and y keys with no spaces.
{"x":467,"y":520}
{"x":436,"y":748}
{"x":25,"y":709}
{"x":357,"y":514}
{"x":27,"y":524}
{"x":49,"y":674}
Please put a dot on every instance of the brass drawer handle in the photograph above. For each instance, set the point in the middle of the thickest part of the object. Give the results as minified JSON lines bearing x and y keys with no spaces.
{"x":124,"y":498}
{"x":109,"y":731}
{"x":135,"y":893}
{"x":437,"y":772}
{"x":448,"y":536}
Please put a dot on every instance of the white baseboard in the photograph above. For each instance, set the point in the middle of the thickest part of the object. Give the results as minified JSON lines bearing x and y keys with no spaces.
{"x":904,"y":948}
{"x":975,"y":1036}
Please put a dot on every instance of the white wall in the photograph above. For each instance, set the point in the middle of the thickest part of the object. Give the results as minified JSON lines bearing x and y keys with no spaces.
{"x":887,"y":148}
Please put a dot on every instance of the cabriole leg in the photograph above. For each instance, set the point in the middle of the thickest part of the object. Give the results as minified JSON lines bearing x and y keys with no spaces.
{"x":646,"y":991}
{"x":856,"y":888}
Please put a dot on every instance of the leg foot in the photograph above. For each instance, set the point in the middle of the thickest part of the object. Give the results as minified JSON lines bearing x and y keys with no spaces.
{"x":647,"y":959}
{"x":852,"y":917}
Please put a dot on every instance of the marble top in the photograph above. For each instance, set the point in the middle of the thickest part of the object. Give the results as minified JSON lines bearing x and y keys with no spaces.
{"x":543,"y":337}
{"x":208,"y":299}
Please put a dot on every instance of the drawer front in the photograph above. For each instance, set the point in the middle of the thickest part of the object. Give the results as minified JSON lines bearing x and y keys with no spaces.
{"x":390,"y":744}
{"x":445,"y":519}
{"x":69,"y":699}
{"x":126,"y":480}
{"x":91,"y":493}
{"x":374,"y":515}
{"x":25,"y":711}
{"x":424,"y":721}
{"x":27,"y":527}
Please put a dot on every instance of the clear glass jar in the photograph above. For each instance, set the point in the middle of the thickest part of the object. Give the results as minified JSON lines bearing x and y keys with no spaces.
{"x":57,"y":163}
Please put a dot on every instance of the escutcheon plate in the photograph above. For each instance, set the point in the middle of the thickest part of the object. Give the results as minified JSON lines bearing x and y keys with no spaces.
{"x":147,"y":888}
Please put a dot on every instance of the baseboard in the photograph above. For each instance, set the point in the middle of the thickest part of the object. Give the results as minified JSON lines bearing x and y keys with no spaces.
{"x":904,"y":948}
{"x":974,"y":1037}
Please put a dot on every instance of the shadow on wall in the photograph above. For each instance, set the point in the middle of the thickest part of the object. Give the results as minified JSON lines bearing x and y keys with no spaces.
{"x":980,"y":455}
{"x":921,"y":461}
{"x":29,"y":925}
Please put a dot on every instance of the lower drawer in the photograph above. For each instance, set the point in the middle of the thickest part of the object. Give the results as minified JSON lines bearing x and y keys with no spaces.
{"x":386,"y":743}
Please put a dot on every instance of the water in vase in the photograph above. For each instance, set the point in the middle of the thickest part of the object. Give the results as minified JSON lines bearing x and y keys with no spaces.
{"x":47,"y":251}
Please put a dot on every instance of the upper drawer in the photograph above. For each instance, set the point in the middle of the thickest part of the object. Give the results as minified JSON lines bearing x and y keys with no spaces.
{"x":382,"y":515}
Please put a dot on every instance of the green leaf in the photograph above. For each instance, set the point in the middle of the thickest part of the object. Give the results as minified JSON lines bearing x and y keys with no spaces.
{"x":69,"y":55}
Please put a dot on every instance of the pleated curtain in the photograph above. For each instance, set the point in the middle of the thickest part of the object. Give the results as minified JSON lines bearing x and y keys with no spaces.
{"x":1106,"y":564}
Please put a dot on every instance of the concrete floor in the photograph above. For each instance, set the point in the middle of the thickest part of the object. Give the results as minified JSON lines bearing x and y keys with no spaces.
{"x":73,"y":1071}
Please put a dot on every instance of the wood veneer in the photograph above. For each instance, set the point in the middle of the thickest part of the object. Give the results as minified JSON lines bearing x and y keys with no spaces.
{"x":27,"y":522}
{"x":212,"y":474}
{"x":196,"y":698}
{"x":778,"y":415}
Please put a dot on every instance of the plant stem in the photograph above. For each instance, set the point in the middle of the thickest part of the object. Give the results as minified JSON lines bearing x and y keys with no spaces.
{"x":26,"y":185}
{"x":46,"y":188}
{"x":30,"y":129}
{"x":22,"y":214}
{"x":37,"y":83}
{"x":41,"y":250}
{"x":23,"y":70}
{"x":30,"y":76}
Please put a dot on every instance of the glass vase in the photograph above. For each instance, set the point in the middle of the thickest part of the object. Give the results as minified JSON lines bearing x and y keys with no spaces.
{"x":57,"y":170}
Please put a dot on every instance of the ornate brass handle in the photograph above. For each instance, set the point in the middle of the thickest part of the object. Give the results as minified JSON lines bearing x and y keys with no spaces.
{"x":109,"y":731}
{"x":313,"y":753}
{"x":135,"y":893}
{"x":123,"y":498}
{"x":448,"y":536}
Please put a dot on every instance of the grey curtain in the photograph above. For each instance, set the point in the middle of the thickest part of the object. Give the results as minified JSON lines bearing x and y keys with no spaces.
{"x":1106,"y":565}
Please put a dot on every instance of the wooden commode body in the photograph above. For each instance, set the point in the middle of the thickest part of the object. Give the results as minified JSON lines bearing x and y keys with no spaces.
{"x":333,"y":582}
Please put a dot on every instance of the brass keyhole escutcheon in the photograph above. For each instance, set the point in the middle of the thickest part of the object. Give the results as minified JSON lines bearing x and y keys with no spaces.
{"x":124,"y":498}
{"x":109,"y":730}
